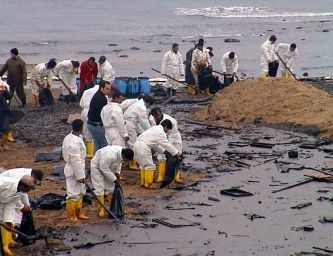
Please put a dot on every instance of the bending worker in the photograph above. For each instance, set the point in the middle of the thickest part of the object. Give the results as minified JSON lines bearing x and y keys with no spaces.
{"x":174,"y":137}
{"x":74,"y":154}
{"x":154,"y":138}
{"x":85,"y":104}
{"x":289,"y":54}
{"x":113,"y":120}
{"x":105,"y":170}
{"x":269,"y":60}
{"x":106,"y":70}
{"x":10,"y":195}
{"x":38,"y":74}
{"x":67,"y":70}
{"x":172,"y":65}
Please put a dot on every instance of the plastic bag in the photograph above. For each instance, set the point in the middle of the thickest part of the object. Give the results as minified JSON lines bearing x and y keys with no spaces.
{"x":172,"y":165}
{"x":46,"y":97}
{"x":27,"y":227}
{"x":117,"y":203}
{"x":51,"y":201}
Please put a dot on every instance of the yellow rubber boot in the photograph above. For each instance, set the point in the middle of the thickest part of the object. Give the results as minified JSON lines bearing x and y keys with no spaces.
{"x":12,"y":242}
{"x":90,"y":148}
{"x":132,"y":165}
{"x":6,"y":237}
{"x":101,"y":211}
{"x":142,"y":182}
{"x":161,"y":171}
{"x":190,"y":90}
{"x":10,"y":137}
{"x":78,"y":209}
{"x":149,"y":178}
{"x":70,"y":209}
{"x":177,"y":177}
{"x":109,"y":198}
{"x":263,"y":74}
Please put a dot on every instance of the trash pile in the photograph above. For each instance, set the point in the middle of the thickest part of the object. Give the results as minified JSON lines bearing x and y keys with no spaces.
{"x":286,"y":103}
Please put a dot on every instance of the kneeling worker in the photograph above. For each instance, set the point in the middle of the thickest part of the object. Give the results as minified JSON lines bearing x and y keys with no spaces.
{"x":174,"y":137}
{"x":10,"y":194}
{"x":154,"y":138}
{"x":74,"y":154}
{"x":105,"y":170}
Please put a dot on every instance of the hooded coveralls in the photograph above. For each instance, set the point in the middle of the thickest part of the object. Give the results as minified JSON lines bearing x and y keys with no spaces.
{"x":65,"y":71}
{"x":172,"y":65}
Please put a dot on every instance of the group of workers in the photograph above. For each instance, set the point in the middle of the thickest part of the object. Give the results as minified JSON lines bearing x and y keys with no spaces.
{"x":199,"y":62}
{"x":112,"y":130}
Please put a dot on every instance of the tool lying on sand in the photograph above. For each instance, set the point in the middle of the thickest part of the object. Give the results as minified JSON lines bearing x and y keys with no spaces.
{"x":187,"y":85}
{"x":66,"y":86}
{"x":313,"y":177}
{"x":105,"y":208}
{"x":90,"y":244}
{"x":286,"y":65}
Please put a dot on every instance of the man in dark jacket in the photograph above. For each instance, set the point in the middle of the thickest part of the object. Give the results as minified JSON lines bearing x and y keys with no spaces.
{"x":16,"y":75}
{"x":5,"y":95}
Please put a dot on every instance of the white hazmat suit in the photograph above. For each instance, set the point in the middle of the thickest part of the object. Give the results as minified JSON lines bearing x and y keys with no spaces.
{"x":65,"y":71}
{"x":114,"y":124}
{"x":107,"y":71}
{"x":74,"y":154}
{"x":229,"y":66}
{"x":127,"y":103}
{"x":154,"y":138}
{"x":9,"y":198}
{"x":136,"y":119}
{"x":287,"y":55}
{"x":38,"y":74}
{"x":268,"y":54}
{"x":172,"y":65}
{"x":105,"y":163}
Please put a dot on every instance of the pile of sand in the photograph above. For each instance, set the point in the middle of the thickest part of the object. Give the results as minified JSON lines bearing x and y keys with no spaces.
{"x":272,"y":102}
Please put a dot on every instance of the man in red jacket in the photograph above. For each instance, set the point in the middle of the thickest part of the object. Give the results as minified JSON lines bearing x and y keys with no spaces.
{"x":88,"y":73}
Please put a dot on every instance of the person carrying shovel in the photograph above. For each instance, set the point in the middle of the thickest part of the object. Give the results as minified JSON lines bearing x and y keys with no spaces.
{"x":10,"y":195}
{"x":67,"y":71}
{"x":105,"y":171}
{"x":289,"y":54}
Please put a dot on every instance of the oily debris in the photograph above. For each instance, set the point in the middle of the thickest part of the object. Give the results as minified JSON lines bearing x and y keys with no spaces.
{"x":271,"y":102}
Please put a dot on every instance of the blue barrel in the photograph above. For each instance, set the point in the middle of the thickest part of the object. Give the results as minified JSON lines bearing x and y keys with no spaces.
{"x":144,"y":84}
{"x":133,"y":88}
{"x":122,"y":84}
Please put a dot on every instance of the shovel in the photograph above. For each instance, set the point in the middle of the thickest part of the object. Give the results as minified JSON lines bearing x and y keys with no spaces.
{"x":66,"y":86}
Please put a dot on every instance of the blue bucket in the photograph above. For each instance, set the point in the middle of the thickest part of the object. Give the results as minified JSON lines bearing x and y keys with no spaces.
{"x":122,"y":84}
{"x":144,"y":84}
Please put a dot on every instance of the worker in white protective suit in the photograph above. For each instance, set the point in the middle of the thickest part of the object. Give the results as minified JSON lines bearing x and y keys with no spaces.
{"x":154,"y":138}
{"x":74,"y":154}
{"x":289,"y":54}
{"x":269,"y":60}
{"x":85,"y":104}
{"x":136,"y":120}
{"x":67,"y":71}
{"x":18,"y":173}
{"x":105,"y":170}
{"x":229,"y":63}
{"x":174,"y":137}
{"x":172,"y":65}
{"x":113,"y":121}
{"x":11,"y":190}
{"x":127,"y":103}
{"x":200,"y":61}
{"x":106,"y":70}
{"x":38,"y":74}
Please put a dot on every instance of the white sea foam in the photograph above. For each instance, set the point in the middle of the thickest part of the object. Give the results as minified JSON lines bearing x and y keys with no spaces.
{"x":245,"y":12}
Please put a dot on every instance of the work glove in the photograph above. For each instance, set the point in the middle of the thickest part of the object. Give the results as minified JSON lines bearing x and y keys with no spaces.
{"x":26,"y":208}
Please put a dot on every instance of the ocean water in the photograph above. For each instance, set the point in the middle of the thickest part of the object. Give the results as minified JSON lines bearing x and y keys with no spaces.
{"x":42,"y":29}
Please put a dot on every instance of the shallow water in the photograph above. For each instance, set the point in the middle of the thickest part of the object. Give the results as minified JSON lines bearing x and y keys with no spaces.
{"x":80,"y":28}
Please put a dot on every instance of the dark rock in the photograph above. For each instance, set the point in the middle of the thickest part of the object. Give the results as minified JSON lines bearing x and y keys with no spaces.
{"x":325,"y":30}
{"x":123,"y":56}
{"x":299,"y":27}
{"x":232,"y":40}
{"x":112,"y":44}
{"x":135,"y":48}
{"x":157,"y":51}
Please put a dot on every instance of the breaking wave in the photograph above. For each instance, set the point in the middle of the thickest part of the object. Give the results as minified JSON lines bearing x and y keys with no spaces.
{"x":244,"y":12}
